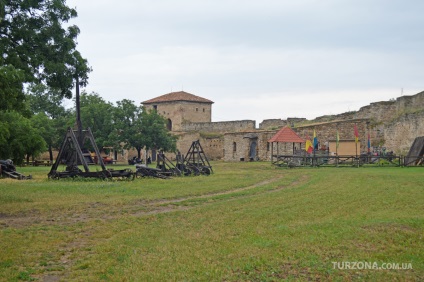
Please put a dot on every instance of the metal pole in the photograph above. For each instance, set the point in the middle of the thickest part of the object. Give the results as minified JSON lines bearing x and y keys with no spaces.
{"x":337,"y":144}
{"x":79,"y":123}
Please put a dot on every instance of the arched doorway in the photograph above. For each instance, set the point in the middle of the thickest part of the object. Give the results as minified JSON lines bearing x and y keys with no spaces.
{"x":252,"y":150}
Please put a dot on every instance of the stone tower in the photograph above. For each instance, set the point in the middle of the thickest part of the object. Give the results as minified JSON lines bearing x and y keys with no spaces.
{"x":181,"y":107}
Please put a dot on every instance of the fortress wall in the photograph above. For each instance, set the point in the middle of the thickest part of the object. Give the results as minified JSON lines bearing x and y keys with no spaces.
{"x":212,"y":146}
{"x":380,"y":111}
{"x":383,"y":111}
{"x":401,"y":133}
{"x":240,"y":151}
{"x":272,"y":124}
{"x":221,"y":127}
{"x":328,"y":131}
{"x":269,"y":124}
{"x":410,"y":103}
{"x":393,"y":124}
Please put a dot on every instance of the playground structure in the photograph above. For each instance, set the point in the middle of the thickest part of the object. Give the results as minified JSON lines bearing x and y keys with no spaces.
{"x":7,"y":169}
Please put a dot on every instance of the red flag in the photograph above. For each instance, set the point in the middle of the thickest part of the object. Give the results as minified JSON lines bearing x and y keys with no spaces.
{"x":308,"y":145}
{"x":356,"y":133}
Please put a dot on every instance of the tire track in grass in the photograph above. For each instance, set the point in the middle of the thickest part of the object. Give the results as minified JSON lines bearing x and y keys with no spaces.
{"x":178,"y":204}
{"x":105,"y":212}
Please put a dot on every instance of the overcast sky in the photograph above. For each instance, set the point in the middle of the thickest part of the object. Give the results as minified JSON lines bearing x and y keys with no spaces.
{"x":255,"y":59}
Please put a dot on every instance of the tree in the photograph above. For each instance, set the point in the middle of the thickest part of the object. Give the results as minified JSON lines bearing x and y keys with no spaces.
{"x":11,"y":90}
{"x":50,"y":117}
{"x":154,"y":134}
{"x":36,"y":48}
{"x":134,"y":127}
{"x":20,"y":139}
{"x":96,"y":113}
{"x":127,"y":126}
{"x":43,"y":99}
{"x":46,"y":128}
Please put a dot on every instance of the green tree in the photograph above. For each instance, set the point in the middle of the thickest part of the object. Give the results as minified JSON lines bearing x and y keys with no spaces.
{"x":154,"y":134}
{"x":50,"y":117}
{"x":21,"y":138}
{"x":136,"y":128}
{"x":96,"y":114}
{"x":42,"y":99}
{"x":4,"y":133}
{"x":45,"y":127}
{"x":127,"y":126}
{"x":11,"y":90}
{"x":36,"y":48}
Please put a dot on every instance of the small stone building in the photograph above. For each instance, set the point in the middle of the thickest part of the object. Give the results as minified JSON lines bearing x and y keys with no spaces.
{"x":181,"y":107}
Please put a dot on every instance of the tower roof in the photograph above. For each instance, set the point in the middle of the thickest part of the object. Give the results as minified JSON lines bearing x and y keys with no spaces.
{"x":178,"y":96}
{"x":286,"y":134}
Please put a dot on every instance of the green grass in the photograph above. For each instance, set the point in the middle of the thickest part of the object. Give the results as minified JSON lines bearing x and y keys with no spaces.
{"x":245,"y":222}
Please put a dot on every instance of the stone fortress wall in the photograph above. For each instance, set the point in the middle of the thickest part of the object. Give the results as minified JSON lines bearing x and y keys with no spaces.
{"x":393,"y":124}
{"x":221,"y":126}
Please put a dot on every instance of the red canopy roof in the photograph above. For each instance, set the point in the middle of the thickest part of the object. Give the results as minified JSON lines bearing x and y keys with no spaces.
{"x":286,"y":134}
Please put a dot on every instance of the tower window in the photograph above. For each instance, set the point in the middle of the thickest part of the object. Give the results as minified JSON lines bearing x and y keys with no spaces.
{"x":169,"y":124}
{"x":197,"y":109}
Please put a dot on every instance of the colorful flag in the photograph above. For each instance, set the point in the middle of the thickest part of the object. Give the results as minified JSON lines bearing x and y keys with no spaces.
{"x":369,"y":143}
{"x":315,"y":140}
{"x":337,"y":139}
{"x":308,"y":146}
{"x":356,"y":134}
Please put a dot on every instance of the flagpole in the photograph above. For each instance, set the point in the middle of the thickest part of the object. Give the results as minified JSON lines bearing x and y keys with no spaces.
{"x":337,"y":145}
{"x":313,"y":144}
{"x":356,"y":144}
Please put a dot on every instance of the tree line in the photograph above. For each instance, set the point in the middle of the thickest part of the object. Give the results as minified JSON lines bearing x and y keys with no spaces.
{"x":123,"y":125}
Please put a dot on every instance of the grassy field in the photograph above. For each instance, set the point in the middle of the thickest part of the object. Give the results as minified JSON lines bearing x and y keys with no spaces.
{"x":246,"y":222}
